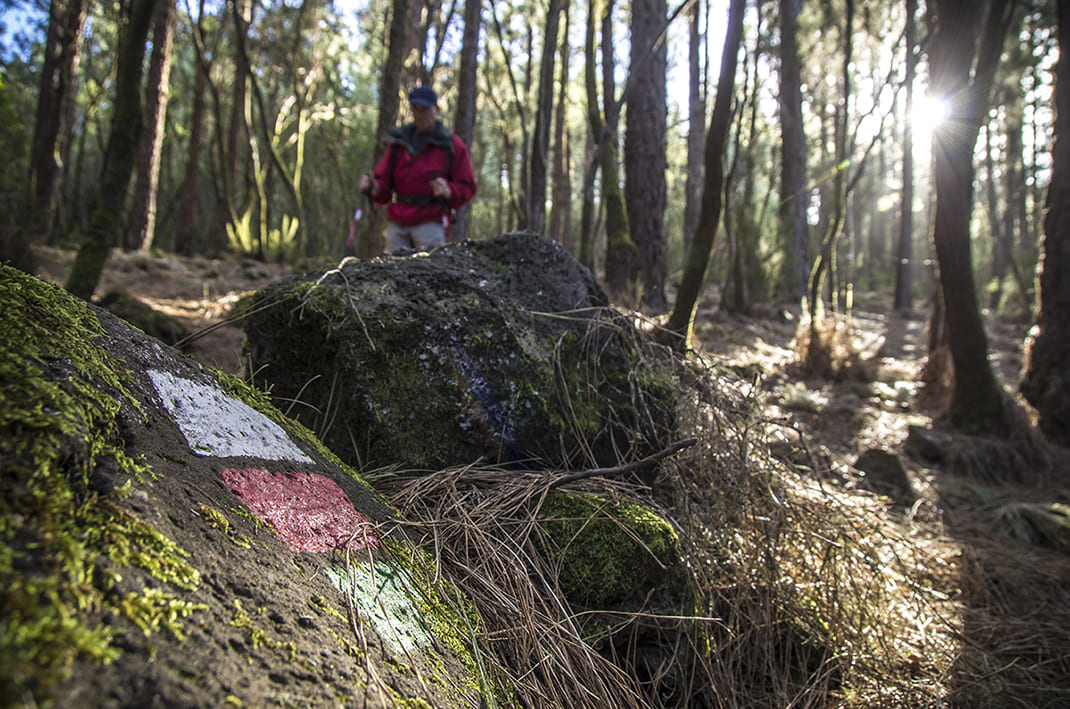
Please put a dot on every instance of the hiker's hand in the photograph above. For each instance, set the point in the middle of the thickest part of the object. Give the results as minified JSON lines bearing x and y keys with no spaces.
{"x":441,"y":188}
{"x":368,"y":184}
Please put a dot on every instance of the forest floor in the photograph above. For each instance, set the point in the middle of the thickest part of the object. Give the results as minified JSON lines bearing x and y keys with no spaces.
{"x":1021,"y":601}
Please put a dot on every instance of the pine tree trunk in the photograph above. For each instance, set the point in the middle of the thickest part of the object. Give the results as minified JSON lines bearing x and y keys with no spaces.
{"x":977,"y":402}
{"x":142,"y":225}
{"x":1046,"y":384}
{"x":681,"y":321}
{"x":106,"y":217}
{"x":794,"y":196}
{"x":644,"y":152}
{"x":59,"y":75}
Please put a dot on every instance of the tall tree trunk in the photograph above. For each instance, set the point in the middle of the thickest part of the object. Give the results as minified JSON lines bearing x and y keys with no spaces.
{"x":59,"y":75}
{"x":1046,"y":384}
{"x":106,"y":216}
{"x":1000,"y":254}
{"x":976,"y":401}
{"x":794,"y":195}
{"x":644,"y":151}
{"x":540,"y":140}
{"x":696,"y":119}
{"x":682,"y":320}
{"x":239,"y":109}
{"x":467,"y":89}
{"x":825,"y":263}
{"x":142,"y":227}
{"x":186,"y":233}
{"x":904,"y":264}
{"x":561,"y":189}
{"x":619,"y":247}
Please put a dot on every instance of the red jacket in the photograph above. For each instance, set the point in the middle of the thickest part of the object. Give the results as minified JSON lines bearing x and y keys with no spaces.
{"x":404,"y":175}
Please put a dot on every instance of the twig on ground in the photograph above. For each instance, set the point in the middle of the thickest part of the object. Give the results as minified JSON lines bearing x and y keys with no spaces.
{"x":624,"y":469}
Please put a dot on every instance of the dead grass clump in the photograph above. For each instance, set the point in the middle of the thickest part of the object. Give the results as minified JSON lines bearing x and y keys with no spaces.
{"x":479,"y":527}
{"x":807,"y":594}
{"x":829,"y":350}
{"x":1046,"y":525}
{"x":824,"y":598}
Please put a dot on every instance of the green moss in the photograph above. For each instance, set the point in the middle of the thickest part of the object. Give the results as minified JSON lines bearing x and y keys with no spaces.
{"x":609,"y":552}
{"x":62,"y":547}
{"x":153,"y":609}
{"x":255,"y":635}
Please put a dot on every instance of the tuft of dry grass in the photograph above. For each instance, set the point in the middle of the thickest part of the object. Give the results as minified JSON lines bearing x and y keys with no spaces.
{"x":810,"y":593}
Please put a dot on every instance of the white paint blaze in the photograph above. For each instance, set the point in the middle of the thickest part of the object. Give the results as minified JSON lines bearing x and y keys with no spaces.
{"x":220,"y":425}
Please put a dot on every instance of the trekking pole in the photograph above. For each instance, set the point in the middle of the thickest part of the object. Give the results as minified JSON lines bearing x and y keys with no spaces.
{"x":350,"y":247}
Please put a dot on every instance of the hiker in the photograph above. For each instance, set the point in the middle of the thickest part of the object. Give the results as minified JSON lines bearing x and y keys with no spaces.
{"x":424,"y":176}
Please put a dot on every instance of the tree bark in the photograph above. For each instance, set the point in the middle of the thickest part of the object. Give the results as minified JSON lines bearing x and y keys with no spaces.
{"x":106,"y":216}
{"x":620,"y":247}
{"x":186,"y":232}
{"x":467,"y":90}
{"x":59,"y":75}
{"x":681,"y":321}
{"x":644,"y":151}
{"x":540,"y":140}
{"x":976,"y":402}
{"x":142,"y":227}
{"x":696,"y":120}
{"x":904,"y":265}
{"x":561,"y":189}
{"x":1046,"y":384}
{"x":794,"y":195}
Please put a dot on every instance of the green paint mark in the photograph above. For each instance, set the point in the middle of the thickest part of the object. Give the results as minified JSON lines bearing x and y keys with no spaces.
{"x":384,"y":597}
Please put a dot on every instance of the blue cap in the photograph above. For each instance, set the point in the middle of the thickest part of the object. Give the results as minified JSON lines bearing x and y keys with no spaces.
{"x":424,"y":96}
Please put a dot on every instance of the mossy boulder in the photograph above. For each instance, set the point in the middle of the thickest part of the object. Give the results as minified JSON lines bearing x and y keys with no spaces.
{"x":502,"y":350}
{"x":169,"y":538}
{"x":621,"y":563}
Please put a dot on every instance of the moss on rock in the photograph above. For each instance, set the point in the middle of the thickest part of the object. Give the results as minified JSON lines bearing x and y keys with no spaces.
{"x":63,"y":545}
{"x":611,"y":552}
{"x":501,"y":350}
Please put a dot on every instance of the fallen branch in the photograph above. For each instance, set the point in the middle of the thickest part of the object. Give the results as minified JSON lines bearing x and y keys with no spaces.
{"x":623,"y":469}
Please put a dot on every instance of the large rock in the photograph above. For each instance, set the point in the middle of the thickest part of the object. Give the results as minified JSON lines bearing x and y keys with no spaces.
{"x":168,"y":538}
{"x":503,"y":350}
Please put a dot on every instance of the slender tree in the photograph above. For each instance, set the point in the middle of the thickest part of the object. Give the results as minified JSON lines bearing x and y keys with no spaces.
{"x":186,"y":231}
{"x":794,"y":195}
{"x":645,"y":191}
{"x":126,"y":122}
{"x":696,"y":117}
{"x":825,"y":263}
{"x":142,"y":226}
{"x":465,"y":112}
{"x":55,"y":97}
{"x":961,"y":72}
{"x":540,"y":143}
{"x":1046,"y":384}
{"x":904,"y":272}
{"x":681,"y":321}
{"x":619,"y":246}
{"x":561,"y":190}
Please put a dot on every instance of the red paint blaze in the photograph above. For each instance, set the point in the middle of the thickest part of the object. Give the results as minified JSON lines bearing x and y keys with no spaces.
{"x":309,"y":511}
